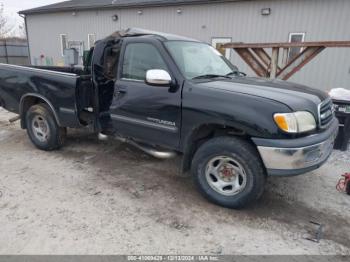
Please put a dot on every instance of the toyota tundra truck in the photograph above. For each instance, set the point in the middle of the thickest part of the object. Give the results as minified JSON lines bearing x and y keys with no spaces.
{"x":170,"y":95}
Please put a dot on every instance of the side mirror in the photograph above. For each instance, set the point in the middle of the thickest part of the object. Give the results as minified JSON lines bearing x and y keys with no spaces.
{"x":158,"y":77}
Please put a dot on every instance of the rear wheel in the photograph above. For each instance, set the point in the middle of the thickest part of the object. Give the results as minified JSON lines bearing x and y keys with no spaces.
{"x":228,"y":171}
{"x":43,"y":129}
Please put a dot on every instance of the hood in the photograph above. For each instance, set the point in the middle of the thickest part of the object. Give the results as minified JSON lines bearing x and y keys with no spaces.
{"x":295,"y":96}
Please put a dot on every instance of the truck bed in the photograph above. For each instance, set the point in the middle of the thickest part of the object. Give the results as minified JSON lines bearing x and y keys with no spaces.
{"x":66,"y":90}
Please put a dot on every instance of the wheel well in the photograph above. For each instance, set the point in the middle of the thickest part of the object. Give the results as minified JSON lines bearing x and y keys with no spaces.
{"x":203,"y":134}
{"x":28,"y":102}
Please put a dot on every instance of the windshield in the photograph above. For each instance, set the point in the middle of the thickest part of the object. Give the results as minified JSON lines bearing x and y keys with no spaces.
{"x":198,"y":59}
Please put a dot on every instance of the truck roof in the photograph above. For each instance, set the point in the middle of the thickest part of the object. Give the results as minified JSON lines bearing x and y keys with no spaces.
{"x":139,"y":32}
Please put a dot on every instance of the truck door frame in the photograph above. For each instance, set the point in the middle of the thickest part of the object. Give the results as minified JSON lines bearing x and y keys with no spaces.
{"x":176,"y":88}
{"x":95,"y":60}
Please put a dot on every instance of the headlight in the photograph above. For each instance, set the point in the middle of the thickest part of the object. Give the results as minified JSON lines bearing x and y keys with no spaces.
{"x":297,"y":122}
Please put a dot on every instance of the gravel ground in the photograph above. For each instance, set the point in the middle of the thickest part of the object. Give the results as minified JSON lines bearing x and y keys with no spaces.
{"x":96,"y":197}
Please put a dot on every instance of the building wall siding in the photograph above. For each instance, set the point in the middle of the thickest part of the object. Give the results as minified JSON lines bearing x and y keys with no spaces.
{"x":320,"y":19}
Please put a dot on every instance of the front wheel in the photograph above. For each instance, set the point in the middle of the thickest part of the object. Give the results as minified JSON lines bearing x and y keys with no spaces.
{"x":228,"y":171}
{"x":43,"y":129}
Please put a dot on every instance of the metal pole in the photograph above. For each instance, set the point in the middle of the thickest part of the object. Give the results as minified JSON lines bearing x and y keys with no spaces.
{"x":27,"y":37}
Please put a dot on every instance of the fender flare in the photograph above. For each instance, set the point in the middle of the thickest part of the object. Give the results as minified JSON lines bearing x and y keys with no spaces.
{"x":188,"y":147}
{"x":21,"y":103}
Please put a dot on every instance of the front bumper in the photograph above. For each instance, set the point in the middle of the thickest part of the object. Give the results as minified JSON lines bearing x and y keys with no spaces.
{"x":290,"y":157}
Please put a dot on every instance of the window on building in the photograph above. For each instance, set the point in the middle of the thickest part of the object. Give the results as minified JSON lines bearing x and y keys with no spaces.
{"x":139,"y":58}
{"x":91,"y":40}
{"x":64,"y":43}
{"x":217,"y":41}
{"x":294,"y":51}
{"x":77,"y":45}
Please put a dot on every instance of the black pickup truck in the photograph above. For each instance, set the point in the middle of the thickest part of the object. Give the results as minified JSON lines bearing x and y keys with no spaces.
{"x":171,"y":95}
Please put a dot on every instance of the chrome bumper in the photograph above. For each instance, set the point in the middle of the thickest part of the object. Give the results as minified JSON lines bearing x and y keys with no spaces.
{"x":297,"y":160}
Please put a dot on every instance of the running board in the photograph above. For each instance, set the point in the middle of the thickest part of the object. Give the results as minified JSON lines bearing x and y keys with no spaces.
{"x":150,"y":150}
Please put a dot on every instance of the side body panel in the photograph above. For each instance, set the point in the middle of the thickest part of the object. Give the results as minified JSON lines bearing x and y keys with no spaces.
{"x":17,"y":83}
{"x":205,"y":106}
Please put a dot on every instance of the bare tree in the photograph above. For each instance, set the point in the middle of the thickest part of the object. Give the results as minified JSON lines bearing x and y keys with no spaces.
{"x":22,"y":32}
{"x":5,"y":28}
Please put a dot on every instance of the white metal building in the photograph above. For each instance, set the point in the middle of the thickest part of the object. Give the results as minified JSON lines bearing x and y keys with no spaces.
{"x":78,"y":23}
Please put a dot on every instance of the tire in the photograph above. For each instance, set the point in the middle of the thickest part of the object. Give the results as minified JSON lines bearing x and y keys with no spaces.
{"x":42,"y":128}
{"x":229,"y":172}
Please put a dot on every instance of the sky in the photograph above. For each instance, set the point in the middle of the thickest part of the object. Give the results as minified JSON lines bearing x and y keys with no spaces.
{"x":11,"y":7}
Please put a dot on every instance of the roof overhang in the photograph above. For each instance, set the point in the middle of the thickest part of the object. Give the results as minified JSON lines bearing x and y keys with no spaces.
{"x":66,"y":6}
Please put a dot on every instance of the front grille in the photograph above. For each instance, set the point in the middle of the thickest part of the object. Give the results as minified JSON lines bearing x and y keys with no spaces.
{"x":325,"y":113}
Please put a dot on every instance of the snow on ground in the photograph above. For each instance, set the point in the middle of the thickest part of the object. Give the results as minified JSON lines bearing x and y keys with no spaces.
{"x":95,"y":197}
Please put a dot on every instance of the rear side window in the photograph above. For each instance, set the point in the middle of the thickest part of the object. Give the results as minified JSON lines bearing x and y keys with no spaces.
{"x":139,"y":58}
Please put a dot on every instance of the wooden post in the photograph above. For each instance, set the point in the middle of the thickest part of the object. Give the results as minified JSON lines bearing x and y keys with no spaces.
{"x":260,"y":62}
{"x":274,"y":62}
{"x":285,"y":57}
{"x":252,"y":61}
{"x":299,"y":61}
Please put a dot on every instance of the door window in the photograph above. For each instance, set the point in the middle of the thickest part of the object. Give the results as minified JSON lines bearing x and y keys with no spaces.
{"x":139,"y":58}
